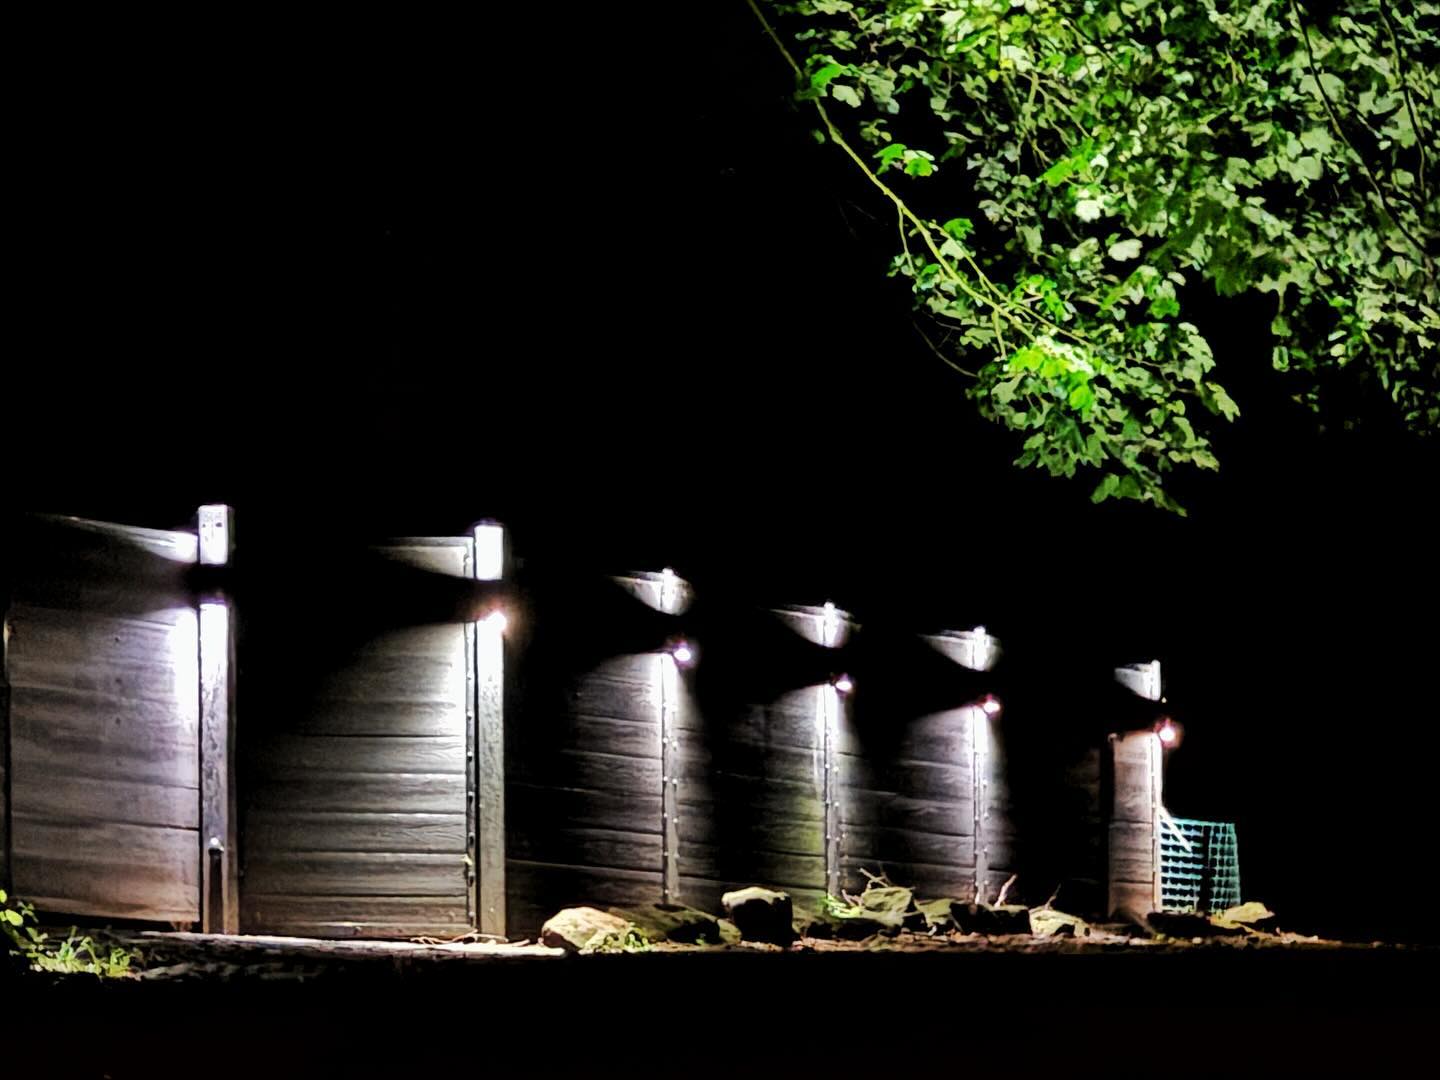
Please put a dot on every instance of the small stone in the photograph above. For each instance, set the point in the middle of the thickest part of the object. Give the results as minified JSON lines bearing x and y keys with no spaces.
{"x":573,"y":928}
{"x":761,"y":914}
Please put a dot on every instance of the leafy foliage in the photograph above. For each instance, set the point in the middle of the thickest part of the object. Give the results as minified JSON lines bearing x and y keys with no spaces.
{"x":76,"y":953}
{"x":1092,"y":160}
{"x":631,"y":940}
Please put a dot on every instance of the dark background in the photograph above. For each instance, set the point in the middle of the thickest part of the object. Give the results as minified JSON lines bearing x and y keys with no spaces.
{"x":586,"y":272}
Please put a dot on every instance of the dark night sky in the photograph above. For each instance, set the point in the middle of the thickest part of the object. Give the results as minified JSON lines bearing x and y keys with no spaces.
{"x":595,"y":280}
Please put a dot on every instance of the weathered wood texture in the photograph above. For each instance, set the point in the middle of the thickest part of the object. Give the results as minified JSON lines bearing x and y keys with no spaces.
{"x":357,"y":773}
{"x":1134,"y":831}
{"x":4,"y":776}
{"x":584,"y":781}
{"x":104,"y":765}
{"x":219,"y":813}
{"x":751,"y":798}
{"x":907,"y":800}
{"x":485,"y":824}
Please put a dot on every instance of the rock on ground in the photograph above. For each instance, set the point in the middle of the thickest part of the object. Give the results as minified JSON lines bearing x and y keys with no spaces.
{"x":761,"y":914}
{"x":573,"y":928}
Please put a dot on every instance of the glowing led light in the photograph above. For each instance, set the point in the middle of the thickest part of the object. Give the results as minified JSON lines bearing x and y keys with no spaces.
{"x":990,"y":705}
{"x":1169,"y":734}
{"x":497,"y":620}
{"x":684,"y":655}
{"x":845,"y":684}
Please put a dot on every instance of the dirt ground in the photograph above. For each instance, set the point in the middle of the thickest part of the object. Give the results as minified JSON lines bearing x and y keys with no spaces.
{"x":912,"y":1005}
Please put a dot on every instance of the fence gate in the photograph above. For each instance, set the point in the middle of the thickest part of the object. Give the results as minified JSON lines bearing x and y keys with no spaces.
{"x":103,"y":772}
{"x":358,"y":737}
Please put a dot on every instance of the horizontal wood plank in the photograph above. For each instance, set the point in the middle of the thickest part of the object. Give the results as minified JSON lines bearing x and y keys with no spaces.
{"x":908,"y":845}
{"x":592,"y":734}
{"x":164,"y":681}
{"x":419,"y":793}
{"x":356,"y":874}
{"x":104,"y":868}
{"x":295,"y":831}
{"x":771,"y":868}
{"x":290,"y":755}
{"x":63,"y":635}
{"x":536,"y":808}
{"x":751,"y":798}
{"x":379,"y":717}
{"x":916,"y":779}
{"x":943,"y":738}
{"x":601,"y":696}
{"x":794,"y":722}
{"x":950,"y":817}
{"x":168,"y":601}
{"x":769,"y":833}
{"x":591,"y":848}
{"x":590,"y":771}
{"x":697,"y":763}
{"x":399,"y":680}
{"x":283,"y":908}
{"x":81,"y":799}
{"x":57,"y":733}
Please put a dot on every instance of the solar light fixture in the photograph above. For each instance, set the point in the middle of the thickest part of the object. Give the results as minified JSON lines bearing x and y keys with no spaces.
{"x":498,"y":620}
{"x":990,"y":704}
{"x":1169,"y":732}
{"x":844,"y":684}
{"x":684,"y":653}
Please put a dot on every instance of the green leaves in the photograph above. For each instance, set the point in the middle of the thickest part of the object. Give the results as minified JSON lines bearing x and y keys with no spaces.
{"x":1059,"y":172}
{"x":1124,"y":250}
{"x":958,"y":228}
{"x":1124,"y":154}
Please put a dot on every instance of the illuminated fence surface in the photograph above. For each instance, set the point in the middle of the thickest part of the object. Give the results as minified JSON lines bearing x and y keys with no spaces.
{"x":1199,"y":865}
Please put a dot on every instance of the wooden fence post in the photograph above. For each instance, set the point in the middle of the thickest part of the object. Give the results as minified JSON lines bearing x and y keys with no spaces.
{"x":219,"y":885}
{"x":486,"y":810}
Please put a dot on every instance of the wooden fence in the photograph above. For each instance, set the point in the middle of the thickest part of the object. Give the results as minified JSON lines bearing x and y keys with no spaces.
{"x":363,"y":749}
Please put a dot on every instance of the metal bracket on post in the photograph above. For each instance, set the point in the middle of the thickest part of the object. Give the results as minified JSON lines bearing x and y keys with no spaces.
{"x":219,"y":885}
